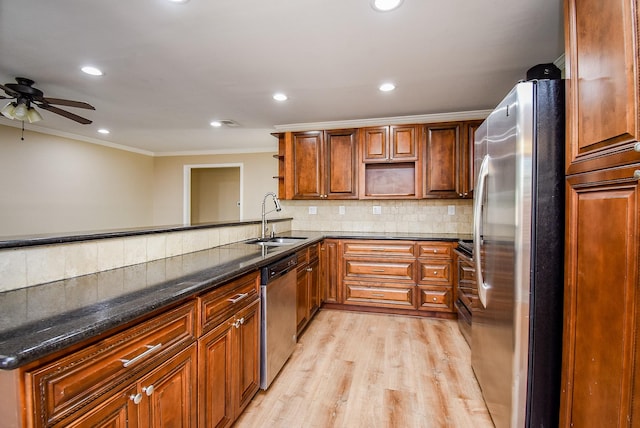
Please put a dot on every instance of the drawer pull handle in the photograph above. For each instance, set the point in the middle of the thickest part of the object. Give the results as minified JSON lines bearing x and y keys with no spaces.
{"x":636,"y":174}
{"x":435,"y":272}
{"x":435,"y":299}
{"x":150,"y":349}
{"x":238,"y":322}
{"x":378,"y":270}
{"x":377,"y":294}
{"x":238,"y":298}
{"x":137,"y":398}
{"x":148,"y":390}
{"x":636,"y":147}
{"x":435,"y":251}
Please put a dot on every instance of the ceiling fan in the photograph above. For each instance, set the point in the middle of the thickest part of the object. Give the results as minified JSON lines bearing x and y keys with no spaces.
{"x":26,"y":97}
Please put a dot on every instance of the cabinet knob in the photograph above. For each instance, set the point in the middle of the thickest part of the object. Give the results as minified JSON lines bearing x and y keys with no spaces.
{"x":309,"y":269}
{"x":636,"y":174}
{"x":137,"y":398}
{"x":636,"y":147}
{"x":435,"y":299}
{"x":435,"y":272}
{"x":148,"y":390}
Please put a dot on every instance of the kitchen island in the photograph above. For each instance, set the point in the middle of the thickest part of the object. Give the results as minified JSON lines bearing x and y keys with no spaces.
{"x":41,"y":324}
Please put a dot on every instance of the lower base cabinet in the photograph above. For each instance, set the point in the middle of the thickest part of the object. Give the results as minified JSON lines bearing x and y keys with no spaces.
{"x":229,"y":373}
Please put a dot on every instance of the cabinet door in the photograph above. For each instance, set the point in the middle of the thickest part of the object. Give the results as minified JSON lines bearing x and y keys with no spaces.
{"x":302,"y":299}
{"x":330,"y":271}
{"x":215,"y":360}
{"x":116,"y":412}
{"x":247,"y":355}
{"x":307,"y":165}
{"x":466,"y":177}
{"x":602,"y":85}
{"x":375,"y":145}
{"x":313,"y":279}
{"x":169,"y":393}
{"x":403,"y":143}
{"x":341,"y":160}
{"x":601,"y":351}
{"x":441,"y":161}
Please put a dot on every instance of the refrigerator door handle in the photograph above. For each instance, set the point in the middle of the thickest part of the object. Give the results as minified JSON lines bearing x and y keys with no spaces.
{"x":477,"y":228}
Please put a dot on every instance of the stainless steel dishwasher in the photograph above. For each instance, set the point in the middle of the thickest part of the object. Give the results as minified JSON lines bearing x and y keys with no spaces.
{"x":278,"y":335}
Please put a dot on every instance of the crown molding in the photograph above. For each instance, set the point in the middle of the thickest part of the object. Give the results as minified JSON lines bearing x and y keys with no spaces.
{"x":396,"y":120}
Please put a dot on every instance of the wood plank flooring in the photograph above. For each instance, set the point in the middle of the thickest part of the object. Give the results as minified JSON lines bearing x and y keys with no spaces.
{"x":372,"y":370}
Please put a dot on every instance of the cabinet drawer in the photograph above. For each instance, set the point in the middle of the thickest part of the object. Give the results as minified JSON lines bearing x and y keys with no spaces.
{"x":466,"y":272}
{"x":435,"y":299}
{"x":314,"y":252}
{"x":221,"y":303}
{"x":435,"y":272}
{"x":379,"y":268}
{"x":302,"y":257}
{"x":378,"y":248}
{"x":435,"y":249}
{"x":68,"y":384}
{"x":374,"y":295}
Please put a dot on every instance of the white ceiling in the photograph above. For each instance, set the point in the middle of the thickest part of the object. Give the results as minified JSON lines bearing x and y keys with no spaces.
{"x":170,"y":68}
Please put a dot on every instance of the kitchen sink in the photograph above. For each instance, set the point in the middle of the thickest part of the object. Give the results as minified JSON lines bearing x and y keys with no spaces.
{"x":276,"y":241}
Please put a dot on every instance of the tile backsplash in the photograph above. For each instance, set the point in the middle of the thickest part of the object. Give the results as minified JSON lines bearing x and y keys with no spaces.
{"x":420,"y":216}
{"x":26,"y":266}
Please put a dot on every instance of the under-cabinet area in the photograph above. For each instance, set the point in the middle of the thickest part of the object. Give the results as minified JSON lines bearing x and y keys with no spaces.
{"x":195,"y":361}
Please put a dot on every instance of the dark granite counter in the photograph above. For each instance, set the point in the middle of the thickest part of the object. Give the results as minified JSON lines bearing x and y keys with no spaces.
{"x":39,"y":320}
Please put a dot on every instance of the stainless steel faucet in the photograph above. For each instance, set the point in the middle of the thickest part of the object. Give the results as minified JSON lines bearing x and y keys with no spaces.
{"x":264,"y":213}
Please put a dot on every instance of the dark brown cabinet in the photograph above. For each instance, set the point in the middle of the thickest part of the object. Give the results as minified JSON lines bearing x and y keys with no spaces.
{"x":308,"y":290}
{"x":435,"y":277}
{"x":601,"y":350}
{"x":330,"y":274}
{"x":448,"y":160}
{"x":323,"y":166}
{"x":396,"y":143}
{"x":229,"y":353}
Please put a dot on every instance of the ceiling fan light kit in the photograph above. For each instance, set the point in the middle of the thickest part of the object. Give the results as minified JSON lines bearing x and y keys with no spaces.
{"x":26,"y":96}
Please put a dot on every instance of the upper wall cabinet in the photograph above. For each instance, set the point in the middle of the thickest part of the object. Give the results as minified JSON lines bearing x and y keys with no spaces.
{"x":321,"y":165}
{"x":602,"y":84}
{"x":448,"y":160}
{"x":389,"y":144}
{"x":390,"y":160}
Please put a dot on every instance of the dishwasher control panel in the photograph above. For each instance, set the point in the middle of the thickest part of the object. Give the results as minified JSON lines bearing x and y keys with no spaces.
{"x":277,"y":269}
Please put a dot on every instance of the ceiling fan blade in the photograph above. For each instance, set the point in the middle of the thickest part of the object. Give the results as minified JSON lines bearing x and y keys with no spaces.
{"x":10,"y":92}
{"x":65,"y":113}
{"x":70,"y":103}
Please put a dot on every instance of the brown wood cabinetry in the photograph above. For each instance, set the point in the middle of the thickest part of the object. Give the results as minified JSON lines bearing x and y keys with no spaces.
{"x":601,"y":351}
{"x":448,"y":159}
{"x":435,"y":278}
{"x":308,"y":289}
{"x":330,"y":273}
{"x":390,"y":158}
{"x":323,"y":165}
{"x":121,"y":373}
{"x":229,"y":353}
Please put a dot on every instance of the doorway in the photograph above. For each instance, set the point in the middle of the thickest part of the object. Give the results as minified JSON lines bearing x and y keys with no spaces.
{"x":212,"y":193}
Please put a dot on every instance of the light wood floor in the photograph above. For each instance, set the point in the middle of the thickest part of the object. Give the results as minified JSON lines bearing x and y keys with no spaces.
{"x":371,"y":370}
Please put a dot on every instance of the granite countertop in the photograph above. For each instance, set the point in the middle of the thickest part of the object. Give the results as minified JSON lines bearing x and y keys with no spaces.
{"x":39,"y":320}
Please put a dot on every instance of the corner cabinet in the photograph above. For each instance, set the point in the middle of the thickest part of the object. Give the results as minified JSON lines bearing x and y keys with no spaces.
{"x":601,"y":348}
{"x":320,"y":165}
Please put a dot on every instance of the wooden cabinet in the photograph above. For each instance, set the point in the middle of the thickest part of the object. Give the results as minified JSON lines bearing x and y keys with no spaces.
{"x":601,"y":350}
{"x":466,"y":289}
{"x":229,"y":352}
{"x":435,"y":278}
{"x":132,"y":373}
{"x":390,"y":159}
{"x":307,"y":286}
{"x":448,"y":160}
{"x":324,"y":165}
{"x":330,"y":273}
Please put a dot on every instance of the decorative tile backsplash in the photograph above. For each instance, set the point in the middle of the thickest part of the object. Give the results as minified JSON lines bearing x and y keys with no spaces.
{"x":27,"y":266}
{"x":420,"y":216}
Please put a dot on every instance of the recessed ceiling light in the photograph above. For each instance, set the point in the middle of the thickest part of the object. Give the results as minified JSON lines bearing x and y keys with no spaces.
{"x":178,"y":1}
{"x":280,"y":97}
{"x":92,"y":70}
{"x":216,"y":124}
{"x":386,"y":87}
{"x":103,"y":131}
{"x":385,"y":5}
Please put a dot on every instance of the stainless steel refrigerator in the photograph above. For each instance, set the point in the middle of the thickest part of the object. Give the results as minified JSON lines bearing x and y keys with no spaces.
{"x":518,"y":249}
